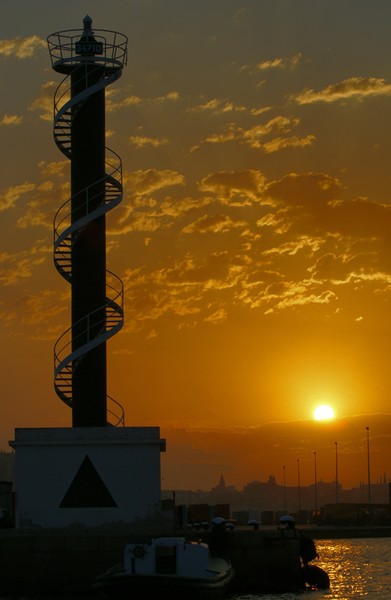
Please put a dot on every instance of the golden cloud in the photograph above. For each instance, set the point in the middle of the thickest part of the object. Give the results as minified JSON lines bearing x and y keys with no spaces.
{"x":144,"y":182}
{"x":278,"y":124}
{"x":294,"y":246}
{"x":11,"y":120}
{"x":44,"y":102}
{"x":40,"y":311}
{"x":36,"y":214}
{"x":353,"y":87}
{"x":248,"y":183}
{"x":9,"y":198}
{"x":54,"y":168}
{"x":305,"y":188}
{"x":216,"y":266}
{"x":40,"y":208}
{"x":348,"y":267}
{"x":231,"y":133}
{"x":214,"y":224}
{"x":280,"y":143}
{"x":137,"y":221}
{"x":149,"y":215}
{"x":297,"y":296}
{"x":181,"y":289}
{"x":112,"y":105}
{"x":174,"y":209}
{"x":304,"y":203}
{"x":22,"y":47}
{"x":280,"y":63}
{"x":217,"y":317}
{"x":143,"y":141}
{"x":149,"y":298}
{"x":132,"y":100}
{"x":306,"y":221}
{"x":219,"y":106}
{"x":360,"y":217}
{"x":254,"y":136}
{"x":21,"y":265}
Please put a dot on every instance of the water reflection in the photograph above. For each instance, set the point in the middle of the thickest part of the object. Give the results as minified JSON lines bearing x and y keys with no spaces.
{"x":357,"y":568}
{"x":269,"y":596}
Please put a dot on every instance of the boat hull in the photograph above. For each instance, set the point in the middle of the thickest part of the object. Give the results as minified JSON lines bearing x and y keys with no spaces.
{"x":120,"y":585}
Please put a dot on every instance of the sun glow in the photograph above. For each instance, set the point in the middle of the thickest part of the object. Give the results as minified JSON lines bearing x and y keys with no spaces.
{"x":324,"y":412}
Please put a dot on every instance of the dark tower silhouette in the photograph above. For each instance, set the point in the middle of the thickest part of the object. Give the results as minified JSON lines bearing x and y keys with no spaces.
{"x":91,"y":61}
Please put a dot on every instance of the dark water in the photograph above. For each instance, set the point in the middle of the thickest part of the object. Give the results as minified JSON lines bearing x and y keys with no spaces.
{"x":358,"y":568}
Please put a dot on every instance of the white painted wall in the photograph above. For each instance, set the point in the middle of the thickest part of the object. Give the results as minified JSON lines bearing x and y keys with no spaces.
{"x":47,"y":460}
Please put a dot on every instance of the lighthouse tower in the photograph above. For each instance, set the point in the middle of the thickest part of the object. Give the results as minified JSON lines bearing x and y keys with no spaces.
{"x":98,"y":471}
{"x":91,"y":63}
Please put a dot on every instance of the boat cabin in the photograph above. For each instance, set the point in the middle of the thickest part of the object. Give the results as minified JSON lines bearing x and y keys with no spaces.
{"x":167,"y":556}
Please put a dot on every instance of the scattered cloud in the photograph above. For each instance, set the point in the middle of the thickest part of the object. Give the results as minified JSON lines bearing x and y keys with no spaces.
{"x":46,"y":197}
{"x":143,"y":182}
{"x":21,"y":265}
{"x":280,"y":63}
{"x":219,"y":106}
{"x":9,"y":198}
{"x":305,"y":189}
{"x":44,"y":102}
{"x":54,"y":168}
{"x":11,"y":120}
{"x":214,"y":224}
{"x":144,"y":212}
{"x":247,"y":184}
{"x":113,"y":104}
{"x":143,"y":141}
{"x":20,"y":47}
{"x":256,"y":137}
{"x":351,"y":88}
{"x":183,"y":206}
{"x":40,"y":314}
{"x":217,"y":317}
{"x":279,"y":143}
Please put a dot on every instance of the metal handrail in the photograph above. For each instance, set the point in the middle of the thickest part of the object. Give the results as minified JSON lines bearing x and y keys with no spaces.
{"x":62,"y":47}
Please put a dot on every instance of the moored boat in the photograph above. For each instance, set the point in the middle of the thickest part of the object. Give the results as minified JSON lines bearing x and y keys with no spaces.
{"x":168,"y":567}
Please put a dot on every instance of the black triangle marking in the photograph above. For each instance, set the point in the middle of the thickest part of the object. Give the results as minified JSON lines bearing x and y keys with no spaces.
{"x":87,"y":489}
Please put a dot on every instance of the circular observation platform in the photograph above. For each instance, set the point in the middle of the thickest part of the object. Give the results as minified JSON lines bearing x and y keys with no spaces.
{"x":68,"y":50}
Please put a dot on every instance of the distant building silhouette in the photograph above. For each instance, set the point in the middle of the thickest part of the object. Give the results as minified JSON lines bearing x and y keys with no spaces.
{"x":258,"y":497}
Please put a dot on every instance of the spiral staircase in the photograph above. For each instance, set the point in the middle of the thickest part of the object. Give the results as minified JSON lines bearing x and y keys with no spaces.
{"x":68,"y":353}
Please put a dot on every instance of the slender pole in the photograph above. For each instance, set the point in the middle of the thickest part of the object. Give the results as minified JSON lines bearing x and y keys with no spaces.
{"x":285,"y":508}
{"x":336,"y":474}
{"x":369,"y":469}
{"x":173,"y":511}
{"x":315,"y":485}
{"x":298,"y":485}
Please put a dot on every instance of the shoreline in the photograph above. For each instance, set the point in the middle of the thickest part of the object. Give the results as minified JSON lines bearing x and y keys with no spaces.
{"x":338,"y":532}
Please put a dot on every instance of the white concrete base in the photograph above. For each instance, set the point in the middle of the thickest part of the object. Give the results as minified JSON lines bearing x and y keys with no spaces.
{"x":88,"y":476}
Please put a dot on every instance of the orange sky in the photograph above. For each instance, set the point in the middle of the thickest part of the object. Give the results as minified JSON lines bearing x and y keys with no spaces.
{"x":253,"y":239}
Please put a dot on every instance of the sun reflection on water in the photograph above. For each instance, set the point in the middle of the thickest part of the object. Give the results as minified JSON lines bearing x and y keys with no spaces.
{"x":358,"y":568}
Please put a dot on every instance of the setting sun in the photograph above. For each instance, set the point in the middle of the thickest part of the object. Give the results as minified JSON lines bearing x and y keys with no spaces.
{"x":324,"y":412}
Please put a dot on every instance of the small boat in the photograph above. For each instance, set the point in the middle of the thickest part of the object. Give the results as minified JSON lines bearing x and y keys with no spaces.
{"x":168,"y":567}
